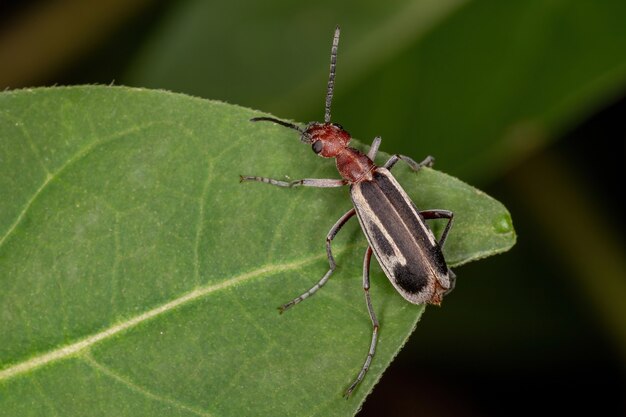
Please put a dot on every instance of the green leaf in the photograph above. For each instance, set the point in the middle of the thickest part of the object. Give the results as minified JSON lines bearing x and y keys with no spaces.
{"x":139,"y":277}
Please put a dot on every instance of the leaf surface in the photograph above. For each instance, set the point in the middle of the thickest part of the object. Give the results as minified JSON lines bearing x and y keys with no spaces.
{"x":139,"y":277}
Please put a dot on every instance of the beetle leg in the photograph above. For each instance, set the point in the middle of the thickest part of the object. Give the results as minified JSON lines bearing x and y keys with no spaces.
{"x":440,"y":214}
{"x":306,"y":182}
{"x":370,"y":310}
{"x":429,"y":161}
{"x":452,"y":277}
{"x":443,"y":214}
{"x":371,"y":154}
{"x":331,"y":261}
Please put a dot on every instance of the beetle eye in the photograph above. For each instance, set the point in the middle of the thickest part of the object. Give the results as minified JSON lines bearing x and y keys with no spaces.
{"x":337,"y":125}
{"x":317,"y":146}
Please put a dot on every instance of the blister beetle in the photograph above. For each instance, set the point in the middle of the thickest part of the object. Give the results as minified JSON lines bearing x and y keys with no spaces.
{"x":406,"y":249}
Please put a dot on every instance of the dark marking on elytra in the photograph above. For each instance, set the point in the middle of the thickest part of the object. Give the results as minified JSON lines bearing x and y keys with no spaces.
{"x":408,"y":280}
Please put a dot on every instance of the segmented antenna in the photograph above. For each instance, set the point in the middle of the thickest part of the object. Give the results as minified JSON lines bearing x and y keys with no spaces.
{"x":331,"y":77}
{"x":280,"y":122}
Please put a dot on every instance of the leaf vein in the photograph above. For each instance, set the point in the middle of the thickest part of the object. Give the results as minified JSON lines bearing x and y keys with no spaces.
{"x":77,"y":157}
{"x":200,"y":225}
{"x":138,"y":388}
{"x":45,"y":397}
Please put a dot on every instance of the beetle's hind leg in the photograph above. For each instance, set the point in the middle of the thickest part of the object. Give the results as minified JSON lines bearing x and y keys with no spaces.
{"x":331,"y":261}
{"x":452,"y":277}
{"x":440,"y":214}
{"x":375,"y":325}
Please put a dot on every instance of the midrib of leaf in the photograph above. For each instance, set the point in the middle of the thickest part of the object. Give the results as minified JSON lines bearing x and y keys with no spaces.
{"x":74,"y":348}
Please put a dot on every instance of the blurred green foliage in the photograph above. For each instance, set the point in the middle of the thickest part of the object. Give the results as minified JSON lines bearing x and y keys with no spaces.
{"x":476,"y":84}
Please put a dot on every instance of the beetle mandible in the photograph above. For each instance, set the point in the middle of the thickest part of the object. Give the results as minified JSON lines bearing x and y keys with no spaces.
{"x":405,"y":247}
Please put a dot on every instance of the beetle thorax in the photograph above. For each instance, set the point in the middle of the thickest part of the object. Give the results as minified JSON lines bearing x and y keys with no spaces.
{"x":354,"y":166}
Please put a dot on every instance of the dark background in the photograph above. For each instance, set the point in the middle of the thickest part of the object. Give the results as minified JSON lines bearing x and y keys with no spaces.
{"x":525,"y":101}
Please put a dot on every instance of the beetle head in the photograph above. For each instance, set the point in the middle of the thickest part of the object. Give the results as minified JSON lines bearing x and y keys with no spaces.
{"x":326,"y":139}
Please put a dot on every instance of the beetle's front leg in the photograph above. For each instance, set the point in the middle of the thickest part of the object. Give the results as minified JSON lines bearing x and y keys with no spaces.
{"x":306,"y":182}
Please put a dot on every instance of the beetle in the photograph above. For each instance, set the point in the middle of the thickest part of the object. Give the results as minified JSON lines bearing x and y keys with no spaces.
{"x":396,"y":231}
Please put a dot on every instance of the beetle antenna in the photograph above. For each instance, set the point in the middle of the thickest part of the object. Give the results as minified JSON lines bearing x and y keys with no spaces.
{"x":331,"y":76}
{"x":280,"y":122}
